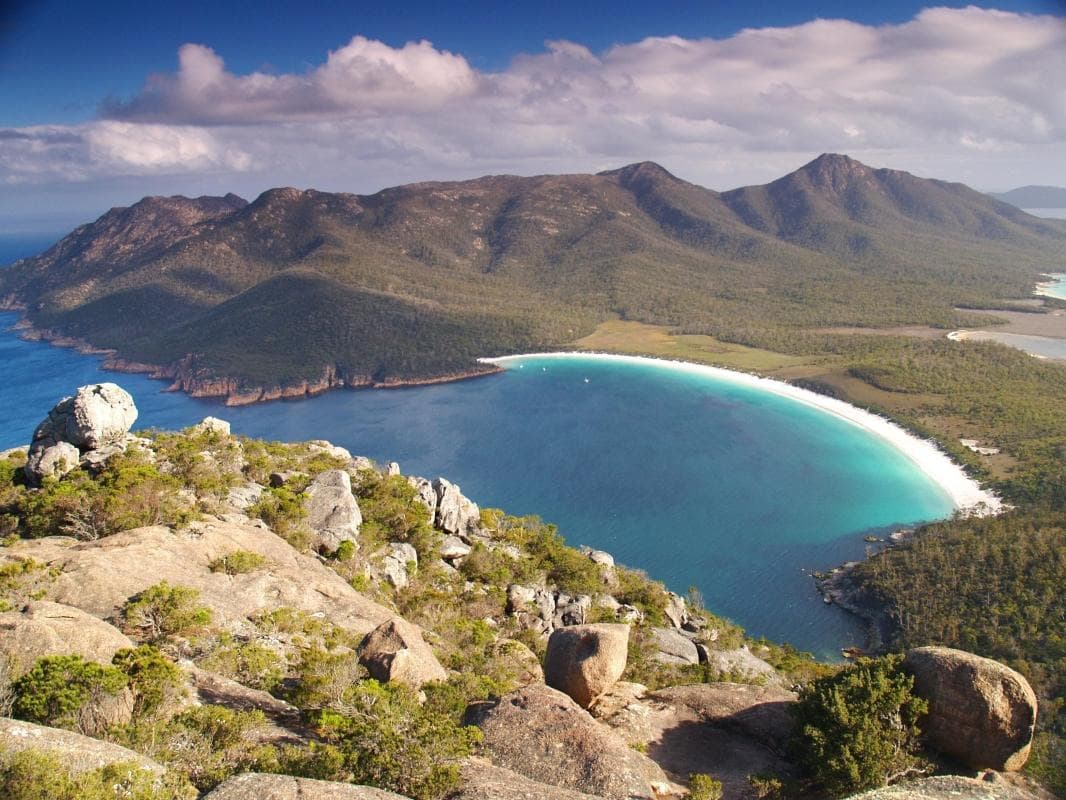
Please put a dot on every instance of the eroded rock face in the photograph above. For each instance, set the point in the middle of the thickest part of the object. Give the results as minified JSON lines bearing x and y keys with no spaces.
{"x":980,"y":711}
{"x":674,"y":647}
{"x":455,"y":513}
{"x":97,"y":416}
{"x":542,"y":734}
{"x":256,"y":786}
{"x":51,"y":629}
{"x":332,"y":510}
{"x":396,"y":651}
{"x":78,"y":753}
{"x":585,"y":660}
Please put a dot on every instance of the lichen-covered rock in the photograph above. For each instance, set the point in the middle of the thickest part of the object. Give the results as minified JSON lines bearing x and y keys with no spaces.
{"x":456,"y":514}
{"x":244,"y":495}
{"x":518,"y":661}
{"x":481,"y":780}
{"x":454,"y":549}
{"x":676,"y":610}
{"x":257,"y":786}
{"x":427,"y":495}
{"x":542,"y":734}
{"x":44,"y":629}
{"x":585,"y":660}
{"x":212,"y":425}
{"x":97,"y":415}
{"x":51,"y":461}
{"x":396,"y":565}
{"x":332,"y":510}
{"x":77,"y":753}
{"x":673,"y":647}
{"x":99,"y":577}
{"x":980,"y":711}
{"x":742,"y":662}
{"x":396,"y":651}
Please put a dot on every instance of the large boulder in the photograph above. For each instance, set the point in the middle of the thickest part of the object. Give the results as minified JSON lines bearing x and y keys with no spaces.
{"x":396,"y":651}
{"x":332,"y":510}
{"x":78,"y":753}
{"x":97,"y":416}
{"x":980,"y":711}
{"x":44,"y":629}
{"x":585,"y":660}
{"x":542,"y":734}
{"x":256,"y":786}
{"x":456,"y":514}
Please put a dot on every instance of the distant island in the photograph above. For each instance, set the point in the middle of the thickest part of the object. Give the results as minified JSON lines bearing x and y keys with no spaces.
{"x":1034,"y":197}
{"x":301,"y":291}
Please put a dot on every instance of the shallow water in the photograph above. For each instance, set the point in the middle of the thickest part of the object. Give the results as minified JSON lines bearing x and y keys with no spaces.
{"x":1043,"y":346}
{"x":698,"y":481}
{"x":1055,"y":287}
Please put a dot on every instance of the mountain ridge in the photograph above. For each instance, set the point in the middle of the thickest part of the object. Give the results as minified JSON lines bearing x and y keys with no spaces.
{"x":502,"y":263}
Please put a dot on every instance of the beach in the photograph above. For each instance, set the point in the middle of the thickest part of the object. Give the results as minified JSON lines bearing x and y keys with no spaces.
{"x":965,"y":493}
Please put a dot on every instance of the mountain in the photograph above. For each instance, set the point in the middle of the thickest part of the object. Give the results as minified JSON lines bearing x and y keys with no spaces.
{"x":1034,"y":197}
{"x":301,"y":290}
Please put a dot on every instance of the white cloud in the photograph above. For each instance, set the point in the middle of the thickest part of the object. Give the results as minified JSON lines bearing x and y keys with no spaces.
{"x":966,"y":94}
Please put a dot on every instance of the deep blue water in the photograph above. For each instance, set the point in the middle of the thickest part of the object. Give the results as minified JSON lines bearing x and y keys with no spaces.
{"x":699,"y":482}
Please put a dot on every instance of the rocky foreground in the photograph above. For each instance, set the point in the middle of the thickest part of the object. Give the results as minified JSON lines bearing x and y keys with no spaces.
{"x":201,"y":614}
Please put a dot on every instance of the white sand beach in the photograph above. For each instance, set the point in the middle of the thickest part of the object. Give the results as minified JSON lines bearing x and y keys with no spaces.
{"x":1055,"y":287}
{"x":966,"y":494}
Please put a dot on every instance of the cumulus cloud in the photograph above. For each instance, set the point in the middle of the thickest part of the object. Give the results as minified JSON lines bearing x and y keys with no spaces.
{"x":969,"y":94}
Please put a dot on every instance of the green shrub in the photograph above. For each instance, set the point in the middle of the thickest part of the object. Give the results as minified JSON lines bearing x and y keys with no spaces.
{"x":323,"y":678}
{"x":858,"y":729}
{"x":345,"y":551}
{"x":390,"y":740}
{"x":67,"y":692}
{"x":162,"y":611}
{"x":249,"y":663}
{"x":703,"y":787}
{"x":38,"y":775}
{"x":238,"y":562}
{"x":392,"y":512}
{"x":154,"y":680}
{"x":284,"y":513}
{"x":208,"y":744}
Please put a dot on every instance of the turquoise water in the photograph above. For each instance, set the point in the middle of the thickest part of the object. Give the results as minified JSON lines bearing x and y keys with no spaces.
{"x":1056,"y":287}
{"x":699,"y":482}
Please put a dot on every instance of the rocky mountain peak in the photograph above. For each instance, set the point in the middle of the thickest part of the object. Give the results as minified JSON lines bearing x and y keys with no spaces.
{"x":834,"y":172}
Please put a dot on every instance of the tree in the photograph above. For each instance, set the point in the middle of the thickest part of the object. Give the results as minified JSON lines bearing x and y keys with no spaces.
{"x":858,"y":729}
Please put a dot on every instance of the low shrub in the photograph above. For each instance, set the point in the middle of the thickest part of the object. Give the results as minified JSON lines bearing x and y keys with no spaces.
{"x":67,"y":692}
{"x":162,"y":611}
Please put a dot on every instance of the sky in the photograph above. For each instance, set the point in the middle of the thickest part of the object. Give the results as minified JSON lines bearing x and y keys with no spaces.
{"x":102,"y":103}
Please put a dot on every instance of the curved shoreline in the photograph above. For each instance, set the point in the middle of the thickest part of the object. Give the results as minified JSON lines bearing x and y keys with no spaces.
{"x":964,"y":492}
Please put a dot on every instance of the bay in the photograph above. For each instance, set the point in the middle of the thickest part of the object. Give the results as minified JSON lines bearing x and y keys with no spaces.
{"x":700,"y":482}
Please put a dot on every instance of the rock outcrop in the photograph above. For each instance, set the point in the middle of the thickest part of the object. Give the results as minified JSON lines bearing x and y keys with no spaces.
{"x":396,"y":651}
{"x":980,"y":711}
{"x":727,"y":730}
{"x":42,"y":629}
{"x":481,"y":780}
{"x":583,"y":661}
{"x":77,"y":753}
{"x":991,"y":786}
{"x":97,"y":416}
{"x":332,"y":510}
{"x":100,"y":576}
{"x":256,"y":786}
{"x":542,"y":734}
{"x":673,"y":647}
{"x":455,"y":513}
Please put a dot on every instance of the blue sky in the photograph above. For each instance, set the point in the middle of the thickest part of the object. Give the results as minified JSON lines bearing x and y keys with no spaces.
{"x":269,"y":93}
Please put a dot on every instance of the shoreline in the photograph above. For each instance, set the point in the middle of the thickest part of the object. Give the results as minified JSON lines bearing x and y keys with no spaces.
{"x":225,"y":388}
{"x":964,"y":492}
{"x":1044,"y":289}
